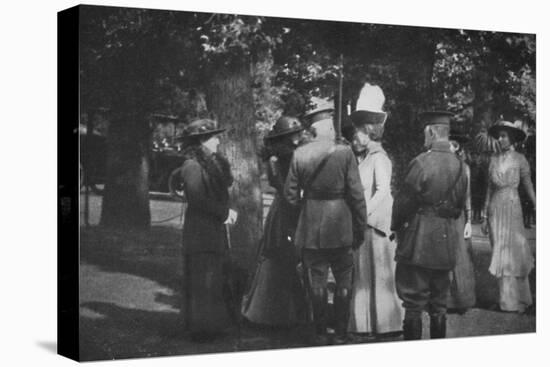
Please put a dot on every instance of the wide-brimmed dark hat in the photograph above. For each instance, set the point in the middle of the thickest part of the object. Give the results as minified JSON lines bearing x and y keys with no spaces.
{"x":515,"y":132}
{"x":436,"y":118}
{"x":200,"y":128}
{"x":363,"y":117}
{"x":285,"y":125}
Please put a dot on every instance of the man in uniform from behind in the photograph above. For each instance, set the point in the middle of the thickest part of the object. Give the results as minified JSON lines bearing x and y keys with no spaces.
{"x":332,"y":217}
{"x":425,"y":217}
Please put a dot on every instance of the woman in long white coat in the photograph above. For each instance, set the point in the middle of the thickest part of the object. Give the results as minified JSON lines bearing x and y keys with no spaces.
{"x":375,"y":306}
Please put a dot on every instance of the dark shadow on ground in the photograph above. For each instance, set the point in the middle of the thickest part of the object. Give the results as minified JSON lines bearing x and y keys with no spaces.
{"x":486,"y":283}
{"x":50,"y":346}
{"x":129,"y":333}
{"x":153,"y":254}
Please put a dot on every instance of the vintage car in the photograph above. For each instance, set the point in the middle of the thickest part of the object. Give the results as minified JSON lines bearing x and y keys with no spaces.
{"x":163,"y":161}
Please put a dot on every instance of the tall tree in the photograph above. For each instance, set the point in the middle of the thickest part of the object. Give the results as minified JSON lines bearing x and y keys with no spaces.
{"x":233,"y":46}
{"x":133,"y":61}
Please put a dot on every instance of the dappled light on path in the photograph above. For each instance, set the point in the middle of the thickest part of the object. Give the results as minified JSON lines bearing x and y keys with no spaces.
{"x":121,"y":289}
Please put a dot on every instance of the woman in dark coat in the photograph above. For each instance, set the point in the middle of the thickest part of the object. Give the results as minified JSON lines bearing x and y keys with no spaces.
{"x":275,"y":297}
{"x":206,"y":177}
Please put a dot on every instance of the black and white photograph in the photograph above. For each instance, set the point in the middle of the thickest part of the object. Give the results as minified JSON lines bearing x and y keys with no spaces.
{"x":252,"y":182}
{"x":244,"y":181}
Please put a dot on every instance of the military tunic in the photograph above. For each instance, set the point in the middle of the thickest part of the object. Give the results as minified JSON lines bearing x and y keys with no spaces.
{"x":332,"y":219}
{"x":334,"y":207}
{"x":333,"y":210}
{"x":427,"y":242}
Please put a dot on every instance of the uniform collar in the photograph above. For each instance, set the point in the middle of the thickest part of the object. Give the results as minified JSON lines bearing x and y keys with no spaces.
{"x":441,"y":146}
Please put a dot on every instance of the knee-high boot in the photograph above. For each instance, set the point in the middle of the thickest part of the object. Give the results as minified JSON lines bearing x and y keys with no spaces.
{"x":412,"y":329}
{"x":438,"y":326}
{"x":319,"y":305}
{"x":342,"y":301}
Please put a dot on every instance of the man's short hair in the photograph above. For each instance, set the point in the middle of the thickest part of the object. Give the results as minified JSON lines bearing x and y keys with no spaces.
{"x":441,"y":131}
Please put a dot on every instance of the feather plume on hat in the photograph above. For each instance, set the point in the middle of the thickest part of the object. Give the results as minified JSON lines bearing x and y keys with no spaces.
{"x":369,"y":106}
{"x":371,"y":98}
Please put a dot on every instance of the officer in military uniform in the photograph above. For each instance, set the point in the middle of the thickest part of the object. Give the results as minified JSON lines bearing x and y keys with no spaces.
{"x":324,"y":179}
{"x":425,"y":217}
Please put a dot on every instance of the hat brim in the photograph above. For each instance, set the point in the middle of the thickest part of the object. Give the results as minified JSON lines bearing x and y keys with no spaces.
{"x":201,"y":134}
{"x":283,"y":133}
{"x":311,"y":113}
{"x":435,"y":118}
{"x":461,"y":139}
{"x":435,"y":113}
{"x":518,"y":134}
{"x":363,"y":117}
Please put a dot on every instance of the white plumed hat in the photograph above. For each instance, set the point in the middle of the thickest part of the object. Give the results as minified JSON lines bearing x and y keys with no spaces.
{"x":369,"y":106}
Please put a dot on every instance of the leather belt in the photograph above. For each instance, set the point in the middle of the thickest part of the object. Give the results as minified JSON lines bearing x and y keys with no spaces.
{"x":427,"y":210}
{"x":323,"y":195}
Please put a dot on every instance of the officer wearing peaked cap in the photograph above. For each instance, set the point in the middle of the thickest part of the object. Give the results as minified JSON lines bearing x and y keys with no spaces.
{"x":332,"y":217}
{"x":425,"y":217}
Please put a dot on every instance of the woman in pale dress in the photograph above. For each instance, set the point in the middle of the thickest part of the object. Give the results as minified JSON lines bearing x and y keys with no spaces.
{"x":375,"y":307}
{"x":512,"y":259}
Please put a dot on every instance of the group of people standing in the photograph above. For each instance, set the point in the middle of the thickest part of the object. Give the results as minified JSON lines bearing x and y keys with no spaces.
{"x":333,"y":209}
{"x":337,"y":216}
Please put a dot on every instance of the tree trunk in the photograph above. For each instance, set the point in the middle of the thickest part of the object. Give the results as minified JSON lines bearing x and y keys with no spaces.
{"x":416,"y":70}
{"x":483,"y":98}
{"x":126,"y":195}
{"x":230,"y":97}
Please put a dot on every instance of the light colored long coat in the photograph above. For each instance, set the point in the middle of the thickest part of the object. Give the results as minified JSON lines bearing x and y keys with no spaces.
{"x":375,"y":306}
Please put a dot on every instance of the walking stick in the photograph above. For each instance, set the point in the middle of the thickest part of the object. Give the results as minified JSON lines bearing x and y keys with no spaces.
{"x":228,"y":236}
{"x":236,"y":302}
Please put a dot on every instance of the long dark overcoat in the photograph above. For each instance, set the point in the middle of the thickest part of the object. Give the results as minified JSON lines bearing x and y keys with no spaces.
{"x":207,"y":209}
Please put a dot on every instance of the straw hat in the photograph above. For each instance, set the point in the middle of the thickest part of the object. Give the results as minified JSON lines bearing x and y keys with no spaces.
{"x":513,"y":131}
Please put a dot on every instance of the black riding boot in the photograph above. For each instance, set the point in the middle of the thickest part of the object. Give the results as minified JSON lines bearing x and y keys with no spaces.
{"x":438,"y":326}
{"x":319,"y":305}
{"x":412,"y":329}
{"x":342,"y":301}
